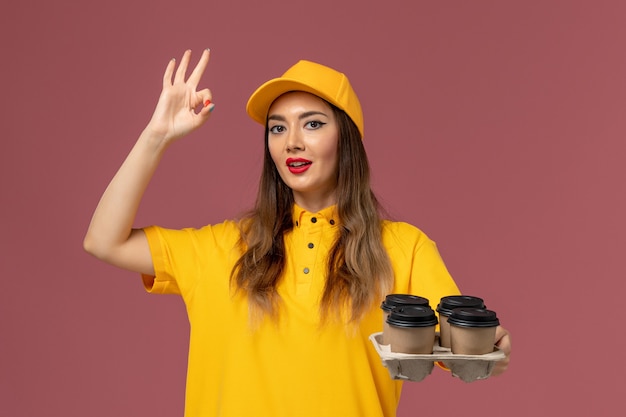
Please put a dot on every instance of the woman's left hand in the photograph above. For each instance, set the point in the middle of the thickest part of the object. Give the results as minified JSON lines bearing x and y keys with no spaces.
{"x":503,"y":341}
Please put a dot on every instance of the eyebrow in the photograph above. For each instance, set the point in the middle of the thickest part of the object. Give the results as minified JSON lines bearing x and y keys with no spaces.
{"x":302,"y":116}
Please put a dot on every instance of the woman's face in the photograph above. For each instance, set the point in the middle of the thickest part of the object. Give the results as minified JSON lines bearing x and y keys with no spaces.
{"x":302,"y":138}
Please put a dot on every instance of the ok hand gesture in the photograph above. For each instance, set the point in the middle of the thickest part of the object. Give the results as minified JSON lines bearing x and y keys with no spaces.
{"x":176,"y":112}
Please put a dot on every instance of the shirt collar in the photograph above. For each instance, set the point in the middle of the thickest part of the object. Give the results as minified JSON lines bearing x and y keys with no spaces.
{"x":329,"y":214}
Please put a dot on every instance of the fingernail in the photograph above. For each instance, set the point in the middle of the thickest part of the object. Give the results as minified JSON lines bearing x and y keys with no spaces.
{"x":206,"y":103}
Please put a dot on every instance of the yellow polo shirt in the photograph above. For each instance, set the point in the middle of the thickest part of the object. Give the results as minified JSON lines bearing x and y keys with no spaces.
{"x":293,"y":367}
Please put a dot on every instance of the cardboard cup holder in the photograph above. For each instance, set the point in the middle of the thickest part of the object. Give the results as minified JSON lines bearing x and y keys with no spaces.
{"x":416,"y":367}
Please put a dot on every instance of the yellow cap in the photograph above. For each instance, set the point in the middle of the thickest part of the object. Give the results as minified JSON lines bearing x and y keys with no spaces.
{"x":333,"y":86}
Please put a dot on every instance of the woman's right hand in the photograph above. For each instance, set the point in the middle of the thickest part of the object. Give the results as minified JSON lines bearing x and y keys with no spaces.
{"x":175,"y":115}
{"x":111,"y":236}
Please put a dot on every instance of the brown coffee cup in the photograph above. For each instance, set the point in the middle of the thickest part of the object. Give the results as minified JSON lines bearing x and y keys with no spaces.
{"x":472,"y":331}
{"x":445,"y":308}
{"x":411,"y":329}
{"x":393,"y":301}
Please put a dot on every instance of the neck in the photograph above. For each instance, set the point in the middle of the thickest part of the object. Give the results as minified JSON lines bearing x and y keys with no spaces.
{"x":314,"y":203}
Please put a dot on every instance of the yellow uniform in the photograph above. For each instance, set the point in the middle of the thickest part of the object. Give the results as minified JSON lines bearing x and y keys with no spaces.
{"x":292,"y":367}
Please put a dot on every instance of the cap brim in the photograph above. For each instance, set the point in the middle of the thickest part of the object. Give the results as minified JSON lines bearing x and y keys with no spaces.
{"x":261,"y":100}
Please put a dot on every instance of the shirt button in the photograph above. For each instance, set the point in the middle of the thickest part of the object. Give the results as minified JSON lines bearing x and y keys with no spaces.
{"x":306,"y":270}
{"x":314,"y":220}
{"x":310,"y":245}
{"x":332,"y":222}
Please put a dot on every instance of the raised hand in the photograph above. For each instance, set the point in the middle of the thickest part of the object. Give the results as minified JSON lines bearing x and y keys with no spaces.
{"x":176,"y":112}
{"x":111,"y":236}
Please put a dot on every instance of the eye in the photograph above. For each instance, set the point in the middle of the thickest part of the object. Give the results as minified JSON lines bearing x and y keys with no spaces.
{"x":277,"y":129}
{"x":314,"y":124}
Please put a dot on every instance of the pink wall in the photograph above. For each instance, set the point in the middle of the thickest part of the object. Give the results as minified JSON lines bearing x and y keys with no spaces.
{"x":497,"y":128}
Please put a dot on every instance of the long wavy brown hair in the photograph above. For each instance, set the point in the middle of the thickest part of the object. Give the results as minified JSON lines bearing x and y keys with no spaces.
{"x":359,"y":271}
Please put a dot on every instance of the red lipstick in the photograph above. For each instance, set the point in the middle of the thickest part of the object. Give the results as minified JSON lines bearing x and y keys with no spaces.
{"x":298,"y":165}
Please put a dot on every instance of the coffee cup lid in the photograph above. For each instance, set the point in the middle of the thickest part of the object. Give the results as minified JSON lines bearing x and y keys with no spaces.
{"x":473,"y":317}
{"x":398,"y":300}
{"x":412,"y":316}
{"x":448,"y":304}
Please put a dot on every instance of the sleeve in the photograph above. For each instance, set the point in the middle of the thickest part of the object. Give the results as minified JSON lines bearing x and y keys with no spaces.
{"x":429,"y":274}
{"x":418,"y":266}
{"x":182,"y":257}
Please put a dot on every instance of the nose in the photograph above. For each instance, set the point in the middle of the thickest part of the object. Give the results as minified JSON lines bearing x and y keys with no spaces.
{"x":294,"y":141}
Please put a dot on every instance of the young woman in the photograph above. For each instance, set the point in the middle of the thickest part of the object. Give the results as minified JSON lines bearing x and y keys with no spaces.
{"x":281,"y":303}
